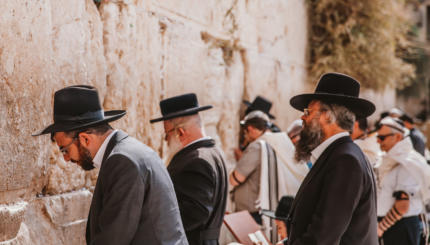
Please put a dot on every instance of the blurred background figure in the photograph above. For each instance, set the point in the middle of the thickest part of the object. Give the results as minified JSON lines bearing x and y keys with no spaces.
{"x":265,"y":172}
{"x":258,"y":104}
{"x":417,"y":137}
{"x":366,"y":141}
{"x":280,"y":217}
{"x":403,"y":183}
{"x":294,"y":130}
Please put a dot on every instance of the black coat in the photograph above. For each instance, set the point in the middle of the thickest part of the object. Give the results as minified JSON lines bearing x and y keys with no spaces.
{"x":134,"y":201}
{"x":200,"y":179}
{"x":336,"y":203}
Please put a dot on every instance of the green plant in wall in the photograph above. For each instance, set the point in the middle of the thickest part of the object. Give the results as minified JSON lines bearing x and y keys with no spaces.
{"x":365,"y":39}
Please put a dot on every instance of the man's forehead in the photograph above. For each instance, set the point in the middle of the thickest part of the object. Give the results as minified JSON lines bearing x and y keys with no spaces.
{"x":314,"y":104}
{"x":384,"y":129}
{"x":60,"y":136}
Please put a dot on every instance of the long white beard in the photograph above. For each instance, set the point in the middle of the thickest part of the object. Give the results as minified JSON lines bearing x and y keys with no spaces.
{"x":173,"y":146}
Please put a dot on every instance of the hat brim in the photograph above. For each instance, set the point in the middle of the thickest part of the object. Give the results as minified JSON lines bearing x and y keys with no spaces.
{"x":360,"y":107}
{"x":109,"y":116}
{"x":186,"y":112}
{"x":272,"y":215}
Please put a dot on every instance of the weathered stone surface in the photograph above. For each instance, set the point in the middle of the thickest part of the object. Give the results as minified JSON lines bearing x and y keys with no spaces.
{"x":10,"y":220}
{"x":136,"y":53}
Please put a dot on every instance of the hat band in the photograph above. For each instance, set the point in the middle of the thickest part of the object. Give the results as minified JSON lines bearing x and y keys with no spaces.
{"x":87,"y":116}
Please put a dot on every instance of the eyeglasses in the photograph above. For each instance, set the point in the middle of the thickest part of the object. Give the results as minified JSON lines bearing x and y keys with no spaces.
{"x":306,"y":112}
{"x":65,"y":149}
{"x":382,"y":137}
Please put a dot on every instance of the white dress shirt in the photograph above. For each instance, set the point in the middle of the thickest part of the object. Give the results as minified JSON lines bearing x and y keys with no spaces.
{"x":316,"y":153}
{"x":98,"y":158}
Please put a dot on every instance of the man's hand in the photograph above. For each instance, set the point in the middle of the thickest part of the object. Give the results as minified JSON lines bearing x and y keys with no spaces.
{"x":380,"y":232}
{"x":237,"y":154}
{"x":236,"y":178}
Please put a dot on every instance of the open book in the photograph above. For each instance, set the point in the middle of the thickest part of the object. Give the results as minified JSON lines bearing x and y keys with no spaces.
{"x":258,"y":238}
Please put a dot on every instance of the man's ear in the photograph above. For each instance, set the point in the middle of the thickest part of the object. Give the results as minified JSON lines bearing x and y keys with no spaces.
{"x":181,"y":132}
{"x":399,"y":136}
{"x":84,"y":139}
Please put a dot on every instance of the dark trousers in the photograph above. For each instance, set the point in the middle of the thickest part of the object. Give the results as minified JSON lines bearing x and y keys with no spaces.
{"x":406,"y":231}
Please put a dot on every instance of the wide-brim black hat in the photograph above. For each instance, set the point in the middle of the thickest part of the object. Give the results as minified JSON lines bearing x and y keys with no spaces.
{"x":339,"y":89}
{"x":259,"y":104}
{"x":282,"y":209}
{"x":179,"y":106}
{"x":78,"y":107}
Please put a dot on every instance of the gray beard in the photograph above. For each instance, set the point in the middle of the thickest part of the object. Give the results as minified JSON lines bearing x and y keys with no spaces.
{"x":311,"y":136}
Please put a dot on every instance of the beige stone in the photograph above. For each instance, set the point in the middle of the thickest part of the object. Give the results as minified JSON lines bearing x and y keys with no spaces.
{"x":136,"y":53}
{"x":11,"y":217}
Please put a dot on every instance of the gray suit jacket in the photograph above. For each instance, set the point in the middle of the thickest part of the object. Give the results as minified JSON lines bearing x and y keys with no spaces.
{"x":134,"y":201}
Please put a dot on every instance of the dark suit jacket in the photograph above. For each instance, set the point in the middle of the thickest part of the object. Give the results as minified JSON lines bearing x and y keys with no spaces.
{"x":200,"y":179}
{"x":418,"y":141}
{"x":134,"y":201}
{"x":336,"y":203}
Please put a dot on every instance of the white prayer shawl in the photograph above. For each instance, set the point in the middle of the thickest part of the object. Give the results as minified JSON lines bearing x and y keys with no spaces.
{"x":403,"y":153}
{"x":370,"y":148}
{"x":290,"y":174}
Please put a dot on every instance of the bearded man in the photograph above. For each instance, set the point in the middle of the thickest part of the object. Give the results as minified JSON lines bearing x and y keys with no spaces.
{"x":134,"y":201}
{"x":336,"y":203}
{"x":197,"y":169}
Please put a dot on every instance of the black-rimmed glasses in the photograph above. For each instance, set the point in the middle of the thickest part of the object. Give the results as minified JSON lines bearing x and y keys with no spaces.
{"x":382,"y":137}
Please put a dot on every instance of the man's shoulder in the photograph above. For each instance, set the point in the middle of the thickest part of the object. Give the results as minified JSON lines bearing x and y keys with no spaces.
{"x":135,"y":151}
{"x":198,"y":158}
{"x":346,"y":149}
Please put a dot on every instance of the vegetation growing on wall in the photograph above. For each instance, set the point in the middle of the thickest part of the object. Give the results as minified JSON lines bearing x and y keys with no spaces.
{"x":365,"y":39}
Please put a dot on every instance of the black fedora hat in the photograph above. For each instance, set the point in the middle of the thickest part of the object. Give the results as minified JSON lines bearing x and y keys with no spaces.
{"x":78,"y":107}
{"x":336,"y":88}
{"x":179,"y":106}
{"x":282,"y":209}
{"x":259,"y":104}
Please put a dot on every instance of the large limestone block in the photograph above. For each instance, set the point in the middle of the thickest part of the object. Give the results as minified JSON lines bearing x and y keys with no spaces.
{"x":58,"y":219}
{"x":11,"y":217}
{"x":44,"y":46}
{"x":22,"y":238}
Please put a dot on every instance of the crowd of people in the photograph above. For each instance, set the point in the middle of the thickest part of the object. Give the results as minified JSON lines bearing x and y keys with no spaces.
{"x":329,"y":179}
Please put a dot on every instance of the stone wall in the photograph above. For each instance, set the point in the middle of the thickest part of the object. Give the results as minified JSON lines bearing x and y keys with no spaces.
{"x":136,"y":53}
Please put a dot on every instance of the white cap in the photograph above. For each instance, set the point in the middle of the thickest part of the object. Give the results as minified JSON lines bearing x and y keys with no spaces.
{"x":396,"y":112}
{"x":395,"y":124}
{"x":295,"y":127}
{"x":255,"y":114}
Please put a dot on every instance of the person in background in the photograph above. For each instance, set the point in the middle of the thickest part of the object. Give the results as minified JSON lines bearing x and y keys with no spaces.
{"x":266,"y":172}
{"x":419,"y":141}
{"x":197,"y":169}
{"x":134,"y":201}
{"x":367,"y":143}
{"x":294,"y":130}
{"x":258,"y":104}
{"x":403,"y":186}
{"x":280,"y":216}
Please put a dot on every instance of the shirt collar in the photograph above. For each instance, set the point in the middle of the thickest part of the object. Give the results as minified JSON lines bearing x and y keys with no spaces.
{"x":101,"y":152}
{"x":197,"y":140}
{"x":316,"y":153}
